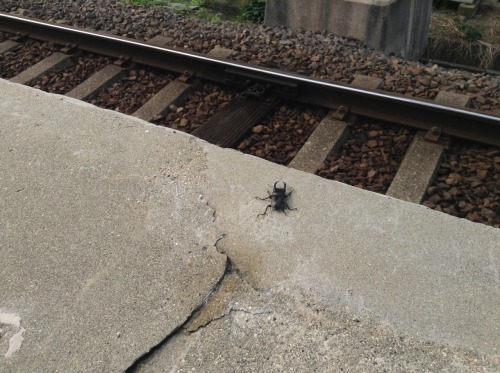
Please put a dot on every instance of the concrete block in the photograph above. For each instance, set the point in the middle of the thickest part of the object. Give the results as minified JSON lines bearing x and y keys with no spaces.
{"x":468,"y":9}
{"x":392,"y":26}
{"x":161,"y":41}
{"x":453,"y":99}
{"x":221,"y":52}
{"x":367,"y":82}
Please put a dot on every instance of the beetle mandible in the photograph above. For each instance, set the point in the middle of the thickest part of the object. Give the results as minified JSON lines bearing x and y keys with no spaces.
{"x":278,"y":199}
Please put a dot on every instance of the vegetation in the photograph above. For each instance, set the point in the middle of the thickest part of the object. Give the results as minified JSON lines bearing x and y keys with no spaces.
{"x":197,"y":8}
{"x":456,"y":39}
{"x":471,"y":33}
{"x":251,"y":11}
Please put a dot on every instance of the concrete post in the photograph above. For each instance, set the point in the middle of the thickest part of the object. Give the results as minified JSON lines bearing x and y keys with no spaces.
{"x":392,"y":26}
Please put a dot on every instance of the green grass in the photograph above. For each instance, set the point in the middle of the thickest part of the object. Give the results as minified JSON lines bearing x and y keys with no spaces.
{"x":200,"y":11}
{"x":252,"y":11}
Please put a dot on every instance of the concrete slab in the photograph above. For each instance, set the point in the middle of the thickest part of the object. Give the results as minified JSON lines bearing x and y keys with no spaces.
{"x":328,"y":136}
{"x":417,"y":171}
{"x":422,"y":159}
{"x":55,"y":62}
{"x":8,"y":45}
{"x":106,"y":244}
{"x":350,"y":274}
{"x":159,"y":104}
{"x":97,"y":82}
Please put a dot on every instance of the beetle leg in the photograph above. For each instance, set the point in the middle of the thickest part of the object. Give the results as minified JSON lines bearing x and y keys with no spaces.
{"x":264,"y":199}
{"x":289,"y":208}
{"x":265,"y":211}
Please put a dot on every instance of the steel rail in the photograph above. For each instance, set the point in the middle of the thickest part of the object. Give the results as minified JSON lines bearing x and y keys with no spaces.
{"x":418,"y":113}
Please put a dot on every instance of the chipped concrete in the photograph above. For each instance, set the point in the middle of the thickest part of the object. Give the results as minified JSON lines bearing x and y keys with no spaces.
{"x":12,"y":334}
{"x":115,"y":237}
{"x":282,"y":331}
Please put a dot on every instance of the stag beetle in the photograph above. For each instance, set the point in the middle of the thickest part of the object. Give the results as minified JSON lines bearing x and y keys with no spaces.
{"x":278,"y":199}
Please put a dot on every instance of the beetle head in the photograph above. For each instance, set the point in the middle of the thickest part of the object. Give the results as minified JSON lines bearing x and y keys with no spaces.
{"x":276,"y":188}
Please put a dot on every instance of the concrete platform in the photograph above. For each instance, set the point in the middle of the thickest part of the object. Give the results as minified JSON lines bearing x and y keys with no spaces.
{"x":116,"y":235}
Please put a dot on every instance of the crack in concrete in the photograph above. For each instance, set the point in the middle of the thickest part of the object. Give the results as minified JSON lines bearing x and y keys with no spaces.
{"x":204,"y":325}
{"x":227,"y":314}
{"x":192,"y":316}
{"x":257,"y":313}
{"x":216,"y":305}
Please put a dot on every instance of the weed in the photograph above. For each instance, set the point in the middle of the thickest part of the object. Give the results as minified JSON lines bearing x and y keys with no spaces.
{"x":471,"y":33}
{"x":198,"y":3}
{"x":456,"y":40}
{"x":211,"y":16}
{"x":253,"y":11}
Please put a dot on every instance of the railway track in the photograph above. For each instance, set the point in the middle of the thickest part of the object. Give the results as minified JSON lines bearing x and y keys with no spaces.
{"x":350,"y":133}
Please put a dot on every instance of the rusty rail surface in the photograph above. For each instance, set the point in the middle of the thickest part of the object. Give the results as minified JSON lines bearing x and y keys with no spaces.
{"x":418,"y":113}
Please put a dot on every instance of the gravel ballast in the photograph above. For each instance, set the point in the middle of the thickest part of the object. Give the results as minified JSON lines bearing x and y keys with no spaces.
{"x":370,"y":158}
{"x":198,"y":109}
{"x":31,"y":52}
{"x":468,"y":184}
{"x":279,"y":137}
{"x":317,"y":54}
{"x":61,"y":82}
{"x":133,"y":91}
